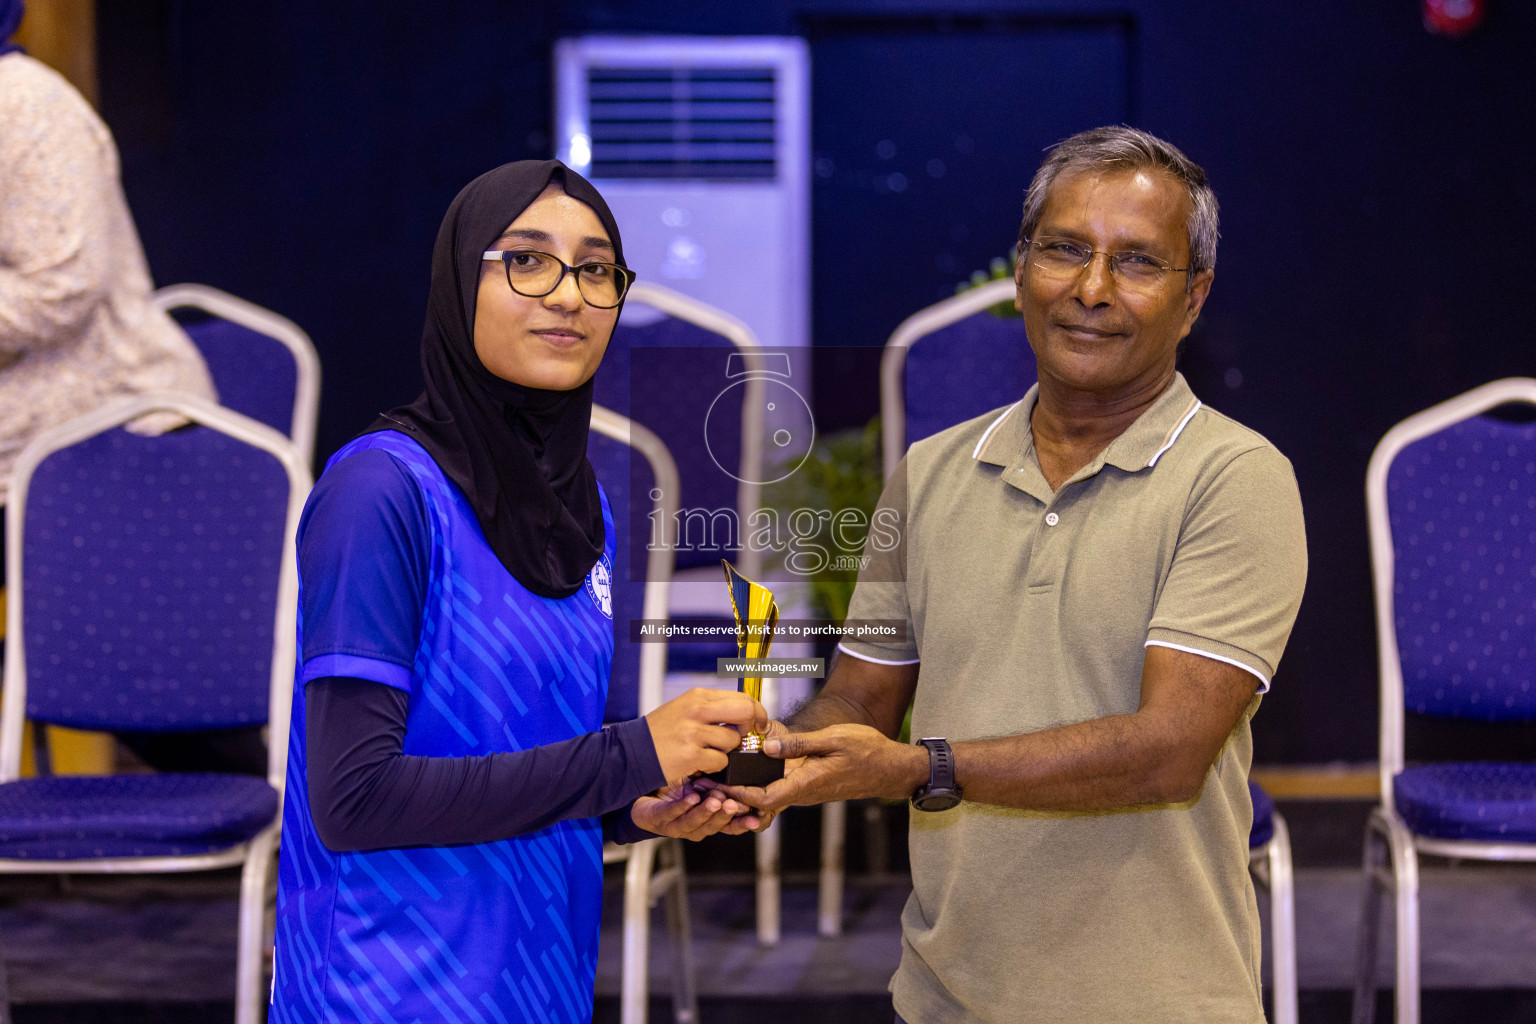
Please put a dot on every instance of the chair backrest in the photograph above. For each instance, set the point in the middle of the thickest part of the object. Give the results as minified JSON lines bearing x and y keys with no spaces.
{"x":1451,"y":499}
{"x":633,"y":464}
{"x":263,"y":365}
{"x":1263,"y":828}
{"x":659,"y":360}
{"x":948,"y":363}
{"x":151,"y":581}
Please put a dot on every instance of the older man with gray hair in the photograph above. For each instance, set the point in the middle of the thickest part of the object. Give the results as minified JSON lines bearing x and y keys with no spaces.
{"x":1098,"y":582}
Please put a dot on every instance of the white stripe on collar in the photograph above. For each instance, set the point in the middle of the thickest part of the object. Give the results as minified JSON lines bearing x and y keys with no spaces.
{"x":976,"y":453}
{"x":1174,"y":435}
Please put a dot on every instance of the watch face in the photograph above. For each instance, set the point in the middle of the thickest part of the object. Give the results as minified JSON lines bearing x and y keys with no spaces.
{"x":938,"y":800}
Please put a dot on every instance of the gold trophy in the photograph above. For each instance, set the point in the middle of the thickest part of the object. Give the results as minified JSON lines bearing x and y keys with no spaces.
{"x":756,"y":616}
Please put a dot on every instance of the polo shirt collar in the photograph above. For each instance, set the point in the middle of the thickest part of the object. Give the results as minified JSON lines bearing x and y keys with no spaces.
{"x":1008,"y":437}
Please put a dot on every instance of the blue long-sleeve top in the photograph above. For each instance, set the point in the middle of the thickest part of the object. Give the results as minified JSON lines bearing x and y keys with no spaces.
{"x":365,"y":549}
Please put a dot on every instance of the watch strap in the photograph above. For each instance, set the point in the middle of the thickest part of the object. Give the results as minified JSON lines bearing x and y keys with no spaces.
{"x":941,"y":762}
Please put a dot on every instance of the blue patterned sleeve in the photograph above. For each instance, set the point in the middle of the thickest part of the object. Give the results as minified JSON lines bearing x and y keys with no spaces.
{"x":364,"y":556}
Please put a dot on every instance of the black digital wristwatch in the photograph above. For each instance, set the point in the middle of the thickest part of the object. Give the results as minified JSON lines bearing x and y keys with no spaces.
{"x":939,"y":793}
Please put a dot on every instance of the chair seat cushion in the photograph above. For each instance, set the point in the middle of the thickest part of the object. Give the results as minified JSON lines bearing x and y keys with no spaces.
{"x":1480,"y":800}
{"x":1263,"y":829}
{"x":75,"y":817}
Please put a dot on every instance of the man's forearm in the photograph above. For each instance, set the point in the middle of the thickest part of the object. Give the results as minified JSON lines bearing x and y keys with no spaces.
{"x":859,"y":692}
{"x":1105,"y":764}
{"x":1159,"y":755}
{"x":827,"y":709}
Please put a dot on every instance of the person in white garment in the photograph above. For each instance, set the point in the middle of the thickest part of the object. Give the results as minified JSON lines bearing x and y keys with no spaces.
{"x":77,"y":325}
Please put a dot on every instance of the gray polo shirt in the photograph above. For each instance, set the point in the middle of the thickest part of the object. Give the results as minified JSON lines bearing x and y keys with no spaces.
{"x":1030,"y":609}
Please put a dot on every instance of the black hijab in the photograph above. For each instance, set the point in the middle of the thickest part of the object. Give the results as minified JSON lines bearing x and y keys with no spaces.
{"x":519,"y":454}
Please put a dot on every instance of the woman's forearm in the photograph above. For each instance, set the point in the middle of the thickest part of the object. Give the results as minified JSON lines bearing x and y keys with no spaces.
{"x":365,"y":793}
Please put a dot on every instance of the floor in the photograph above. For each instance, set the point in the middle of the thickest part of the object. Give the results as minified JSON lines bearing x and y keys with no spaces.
{"x":130,"y":950}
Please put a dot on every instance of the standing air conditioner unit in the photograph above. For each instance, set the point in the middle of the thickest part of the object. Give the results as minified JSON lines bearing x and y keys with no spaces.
{"x":701,"y":145}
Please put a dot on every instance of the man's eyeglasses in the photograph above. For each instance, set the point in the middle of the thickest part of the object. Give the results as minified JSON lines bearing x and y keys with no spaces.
{"x":535,"y":274}
{"x":1064,"y":258}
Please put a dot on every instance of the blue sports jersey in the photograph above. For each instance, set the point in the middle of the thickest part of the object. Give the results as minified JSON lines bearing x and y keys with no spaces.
{"x":490,"y":932}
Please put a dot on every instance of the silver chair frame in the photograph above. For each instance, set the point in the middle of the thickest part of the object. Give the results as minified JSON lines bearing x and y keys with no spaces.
{"x":1391,"y":858}
{"x":1270,"y":865}
{"x":257,"y":854}
{"x":653,"y":868}
{"x":306,"y":398}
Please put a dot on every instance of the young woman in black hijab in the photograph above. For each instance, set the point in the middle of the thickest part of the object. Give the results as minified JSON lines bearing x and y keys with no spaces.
{"x":449,"y":782}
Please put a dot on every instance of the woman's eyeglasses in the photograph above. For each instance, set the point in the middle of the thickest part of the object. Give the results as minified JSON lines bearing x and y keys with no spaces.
{"x":535,"y":274}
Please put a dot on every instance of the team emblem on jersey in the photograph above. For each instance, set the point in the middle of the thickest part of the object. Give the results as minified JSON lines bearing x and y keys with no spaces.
{"x":600,"y":585}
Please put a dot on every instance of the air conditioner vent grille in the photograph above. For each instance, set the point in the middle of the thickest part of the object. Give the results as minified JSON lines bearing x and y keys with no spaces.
{"x":700,"y":123}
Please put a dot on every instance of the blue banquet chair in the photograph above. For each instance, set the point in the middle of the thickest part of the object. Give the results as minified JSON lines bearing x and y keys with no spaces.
{"x":717,"y":439}
{"x":1451,"y":501}
{"x":655,"y":356}
{"x":1269,"y":860}
{"x":632,"y":464}
{"x":152,"y":586}
{"x":263,"y":365}
{"x":948,"y":363}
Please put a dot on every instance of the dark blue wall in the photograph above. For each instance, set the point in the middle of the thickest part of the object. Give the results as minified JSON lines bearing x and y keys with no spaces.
{"x":1378,"y":205}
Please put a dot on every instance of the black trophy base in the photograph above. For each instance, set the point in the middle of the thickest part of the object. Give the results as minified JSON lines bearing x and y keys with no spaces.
{"x":749,"y":768}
